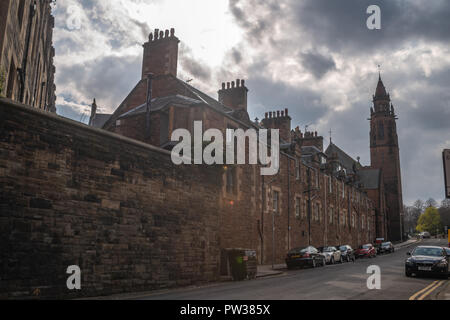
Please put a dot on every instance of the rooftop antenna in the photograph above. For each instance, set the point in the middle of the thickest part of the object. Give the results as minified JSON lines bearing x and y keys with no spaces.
{"x":189,"y":80}
{"x":331,"y":136}
{"x":307,"y":126}
{"x":379,"y":71}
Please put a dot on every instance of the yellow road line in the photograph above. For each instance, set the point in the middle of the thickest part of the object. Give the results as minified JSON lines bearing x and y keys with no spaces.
{"x":413,"y":297}
{"x":430,"y":291}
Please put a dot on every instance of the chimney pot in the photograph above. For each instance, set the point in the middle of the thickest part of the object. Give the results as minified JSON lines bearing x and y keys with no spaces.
{"x":156,"y":34}
{"x":243,"y":83}
{"x":150,"y":37}
{"x":161,"y":34}
{"x":282,"y":113}
{"x":228,"y":85}
{"x":278,"y":114}
{"x":238,"y":83}
{"x":270,"y":115}
{"x":167,"y":33}
{"x":223,"y":85}
{"x":267,"y":115}
{"x":286,"y":112}
{"x":172,"y":32}
{"x":232,"y":84}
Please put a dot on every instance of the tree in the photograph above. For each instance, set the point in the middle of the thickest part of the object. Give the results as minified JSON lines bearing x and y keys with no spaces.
{"x":430,"y":221}
{"x":431,"y":203}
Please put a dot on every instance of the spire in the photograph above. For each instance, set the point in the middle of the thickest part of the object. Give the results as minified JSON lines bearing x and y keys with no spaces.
{"x":381,"y":90}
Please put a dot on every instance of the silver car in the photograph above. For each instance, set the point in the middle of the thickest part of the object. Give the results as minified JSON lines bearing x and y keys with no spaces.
{"x":332,"y":255}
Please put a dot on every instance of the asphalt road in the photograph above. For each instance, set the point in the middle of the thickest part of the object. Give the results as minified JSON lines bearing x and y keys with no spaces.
{"x":346,"y":281}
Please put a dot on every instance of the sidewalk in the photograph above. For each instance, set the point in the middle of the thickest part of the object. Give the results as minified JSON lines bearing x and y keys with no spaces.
{"x":267,"y":271}
{"x":406,"y":243}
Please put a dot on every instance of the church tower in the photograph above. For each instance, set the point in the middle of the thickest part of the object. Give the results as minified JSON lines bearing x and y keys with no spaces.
{"x":384,"y":155}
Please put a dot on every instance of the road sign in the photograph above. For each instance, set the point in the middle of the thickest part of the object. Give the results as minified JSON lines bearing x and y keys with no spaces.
{"x":446,"y":157}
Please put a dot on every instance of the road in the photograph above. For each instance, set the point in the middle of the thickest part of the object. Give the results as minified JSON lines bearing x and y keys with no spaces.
{"x":346,"y":281}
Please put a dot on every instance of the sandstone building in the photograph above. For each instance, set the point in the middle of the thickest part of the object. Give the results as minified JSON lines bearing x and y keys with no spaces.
{"x":26,"y":53}
{"x":315,"y":199}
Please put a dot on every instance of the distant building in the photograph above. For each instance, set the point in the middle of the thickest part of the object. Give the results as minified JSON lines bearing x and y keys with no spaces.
{"x":26,"y":53}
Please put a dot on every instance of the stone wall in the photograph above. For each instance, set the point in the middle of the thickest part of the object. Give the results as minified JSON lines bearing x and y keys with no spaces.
{"x":118,"y":208}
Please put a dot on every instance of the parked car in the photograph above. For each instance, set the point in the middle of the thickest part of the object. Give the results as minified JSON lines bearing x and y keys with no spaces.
{"x":427,"y":260}
{"x":366,"y":250}
{"x":386,"y":247}
{"x":300,"y":257}
{"x":332,"y":255}
{"x":425,"y":235}
{"x":348,"y":254}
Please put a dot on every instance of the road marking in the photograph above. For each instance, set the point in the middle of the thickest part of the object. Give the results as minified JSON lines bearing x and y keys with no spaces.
{"x":430,"y":291}
{"x":413,"y":297}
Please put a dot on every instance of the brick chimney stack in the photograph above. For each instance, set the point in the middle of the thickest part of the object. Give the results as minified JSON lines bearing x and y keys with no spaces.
{"x":234,"y":95}
{"x":308,"y":139}
{"x":161,"y":54}
{"x":279,"y":120}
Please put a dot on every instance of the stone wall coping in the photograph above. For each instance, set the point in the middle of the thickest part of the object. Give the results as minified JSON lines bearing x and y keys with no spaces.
{"x":45,"y":114}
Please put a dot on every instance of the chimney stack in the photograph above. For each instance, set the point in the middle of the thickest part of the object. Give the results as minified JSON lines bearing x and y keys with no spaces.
{"x":234,"y":96}
{"x":279,"y":120}
{"x":161,"y":53}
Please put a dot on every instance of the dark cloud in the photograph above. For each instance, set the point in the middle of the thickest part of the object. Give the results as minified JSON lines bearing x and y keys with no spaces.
{"x":191,"y":66}
{"x":109,"y":79}
{"x":319,"y":33}
{"x":317,"y":64}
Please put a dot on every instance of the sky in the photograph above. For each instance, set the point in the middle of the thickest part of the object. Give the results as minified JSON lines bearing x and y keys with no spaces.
{"x":315,"y":57}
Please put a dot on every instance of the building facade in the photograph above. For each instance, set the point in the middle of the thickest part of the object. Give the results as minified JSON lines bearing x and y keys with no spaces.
{"x":311,"y":201}
{"x":26,"y":53}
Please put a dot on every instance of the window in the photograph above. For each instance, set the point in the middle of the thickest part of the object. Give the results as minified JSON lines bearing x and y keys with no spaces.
{"x":231,"y":184}
{"x":368,"y":224}
{"x":381,"y":131}
{"x":11,"y":80}
{"x":305,"y":209}
{"x":297,"y":207}
{"x":343,"y":218}
{"x":330,"y":182}
{"x":20,"y":12}
{"x":331,"y":214}
{"x":343,"y":190}
{"x":276,"y":199}
{"x":317,"y":179}
{"x":353,"y":220}
{"x":363,"y":224}
{"x":317,"y":212}
{"x":297,"y":170}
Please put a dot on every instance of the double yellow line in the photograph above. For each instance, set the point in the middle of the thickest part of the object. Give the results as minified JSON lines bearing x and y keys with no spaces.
{"x":425,"y":292}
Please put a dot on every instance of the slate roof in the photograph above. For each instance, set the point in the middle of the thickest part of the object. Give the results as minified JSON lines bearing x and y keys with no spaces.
{"x":160,"y":103}
{"x":370,"y":178}
{"x":100,"y":119}
{"x":345,"y":160}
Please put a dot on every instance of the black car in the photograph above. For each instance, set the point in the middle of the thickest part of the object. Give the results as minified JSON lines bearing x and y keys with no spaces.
{"x":427,"y":260}
{"x":348,"y":253}
{"x":386,"y":247}
{"x":300,"y":257}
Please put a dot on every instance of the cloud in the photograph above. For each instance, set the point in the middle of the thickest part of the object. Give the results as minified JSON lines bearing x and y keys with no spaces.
{"x":317,"y":64}
{"x":315,"y":57}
